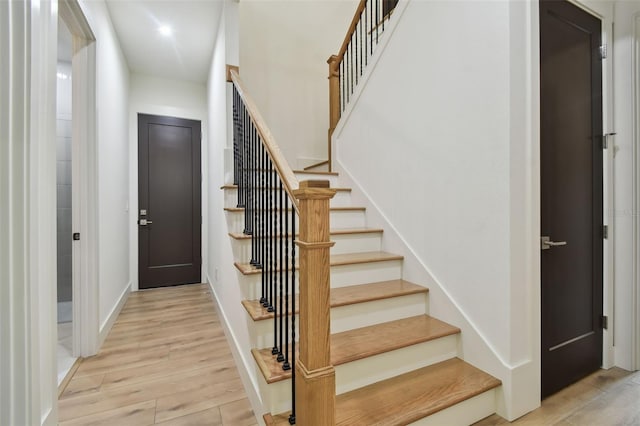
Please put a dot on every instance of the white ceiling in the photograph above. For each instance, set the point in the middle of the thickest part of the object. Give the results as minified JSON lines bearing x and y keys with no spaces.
{"x":186,"y":55}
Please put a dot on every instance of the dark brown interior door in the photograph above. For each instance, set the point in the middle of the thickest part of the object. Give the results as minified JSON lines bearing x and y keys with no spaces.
{"x":571,"y":185}
{"x":169,"y":200}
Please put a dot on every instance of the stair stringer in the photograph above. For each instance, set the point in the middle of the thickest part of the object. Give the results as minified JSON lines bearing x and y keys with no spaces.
{"x":473,"y":347}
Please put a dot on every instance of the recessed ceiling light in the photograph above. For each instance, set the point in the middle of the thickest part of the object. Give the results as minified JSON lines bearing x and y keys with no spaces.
{"x":165,"y":30}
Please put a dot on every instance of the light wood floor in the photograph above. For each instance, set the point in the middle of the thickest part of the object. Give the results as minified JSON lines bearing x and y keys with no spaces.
{"x":607,"y":397}
{"x":166,"y":361}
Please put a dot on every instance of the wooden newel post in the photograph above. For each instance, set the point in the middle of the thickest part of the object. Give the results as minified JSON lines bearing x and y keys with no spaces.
{"x":315,"y":385}
{"x":334,"y":98}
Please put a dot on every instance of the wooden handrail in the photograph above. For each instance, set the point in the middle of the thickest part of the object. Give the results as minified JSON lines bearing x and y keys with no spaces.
{"x":352,"y":28}
{"x":283,"y":169}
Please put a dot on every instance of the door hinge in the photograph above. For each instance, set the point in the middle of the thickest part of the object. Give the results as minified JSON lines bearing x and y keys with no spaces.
{"x":605,"y":139}
{"x":605,"y":231}
{"x":604,"y":322}
{"x":603,"y":51}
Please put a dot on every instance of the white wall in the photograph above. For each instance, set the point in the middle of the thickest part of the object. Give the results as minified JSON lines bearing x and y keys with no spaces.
{"x":174,"y":98}
{"x":625,"y":214}
{"x":112,"y":95}
{"x":284,"y":47}
{"x":449,"y":138}
{"x":464,"y":131}
{"x":221,"y":274}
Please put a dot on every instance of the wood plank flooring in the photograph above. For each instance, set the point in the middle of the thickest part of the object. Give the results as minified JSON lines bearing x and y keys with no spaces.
{"x":166,"y":361}
{"x":606,"y":397}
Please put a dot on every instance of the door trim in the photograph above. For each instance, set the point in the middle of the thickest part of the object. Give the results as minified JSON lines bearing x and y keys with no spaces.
{"x":604,"y":12}
{"x":85,"y":181}
{"x":193,"y":113}
{"x":635,"y":61}
{"x":144,"y":163}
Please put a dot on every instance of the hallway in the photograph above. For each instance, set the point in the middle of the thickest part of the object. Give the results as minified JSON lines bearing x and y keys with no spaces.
{"x":166,"y":361}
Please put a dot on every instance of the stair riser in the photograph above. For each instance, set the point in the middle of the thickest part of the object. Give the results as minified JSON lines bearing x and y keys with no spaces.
{"x":341,"y":199}
{"x":369,"y":370}
{"x":338,"y":220}
{"x":348,"y":317}
{"x":351,"y":243}
{"x":464,"y":413}
{"x":341,"y":276}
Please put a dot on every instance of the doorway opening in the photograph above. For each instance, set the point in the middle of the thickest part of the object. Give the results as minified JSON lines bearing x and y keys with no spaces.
{"x":571,"y":166}
{"x":64,"y":127}
{"x":169,"y":201}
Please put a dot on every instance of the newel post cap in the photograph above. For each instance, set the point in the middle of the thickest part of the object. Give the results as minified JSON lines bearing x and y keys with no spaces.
{"x":314,"y":190}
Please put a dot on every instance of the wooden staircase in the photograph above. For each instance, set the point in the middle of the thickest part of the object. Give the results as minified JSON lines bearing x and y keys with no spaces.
{"x":395,"y":364}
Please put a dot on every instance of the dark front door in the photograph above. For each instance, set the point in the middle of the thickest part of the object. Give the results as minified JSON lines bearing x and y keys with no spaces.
{"x":571,"y":186}
{"x":169,"y":219}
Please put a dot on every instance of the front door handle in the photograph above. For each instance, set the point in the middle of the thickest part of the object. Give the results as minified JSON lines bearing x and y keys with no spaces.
{"x":546,"y":243}
{"x":144,"y":222}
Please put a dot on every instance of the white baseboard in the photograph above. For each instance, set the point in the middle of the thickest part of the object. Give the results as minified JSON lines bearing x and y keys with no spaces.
{"x":243,"y":365}
{"x":105,"y":327}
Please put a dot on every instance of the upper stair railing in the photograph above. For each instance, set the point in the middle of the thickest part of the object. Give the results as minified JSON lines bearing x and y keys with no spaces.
{"x":347,"y":67}
{"x":275,"y":203}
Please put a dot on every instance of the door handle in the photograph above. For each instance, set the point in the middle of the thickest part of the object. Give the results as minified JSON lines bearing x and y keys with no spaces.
{"x":546,"y":243}
{"x":144,"y":222}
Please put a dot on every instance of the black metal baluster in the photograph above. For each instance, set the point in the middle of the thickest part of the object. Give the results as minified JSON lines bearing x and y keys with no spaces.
{"x":377,"y":19}
{"x":263,"y":243}
{"x":351,"y":66}
{"x":247,"y":173}
{"x":292,"y":417}
{"x":249,"y":210}
{"x":286,"y":366}
{"x":366,"y":44}
{"x":371,"y":24}
{"x":258,"y":231}
{"x":240,"y":126}
{"x":270,"y":236}
{"x":283,"y":267}
{"x":360,"y":25}
{"x":235,"y":136}
{"x":277,"y":279}
{"x":355,"y":40}
{"x":252,"y":188}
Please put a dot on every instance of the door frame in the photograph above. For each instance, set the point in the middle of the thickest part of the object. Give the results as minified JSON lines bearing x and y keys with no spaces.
{"x":143,"y":107}
{"x":604,"y":12}
{"x":84,"y":180}
{"x":635,"y":60}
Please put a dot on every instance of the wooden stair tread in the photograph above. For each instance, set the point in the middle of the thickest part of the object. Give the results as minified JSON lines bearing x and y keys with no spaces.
{"x":231,"y":186}
{"x":316,"y":172}
{"x":335,"y":260}
{"x":346,"y":231}
{"x":409,"y":397}
{"x":333,"y":209}
{"x":350,"y":295}
{"x":364,"y":342}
